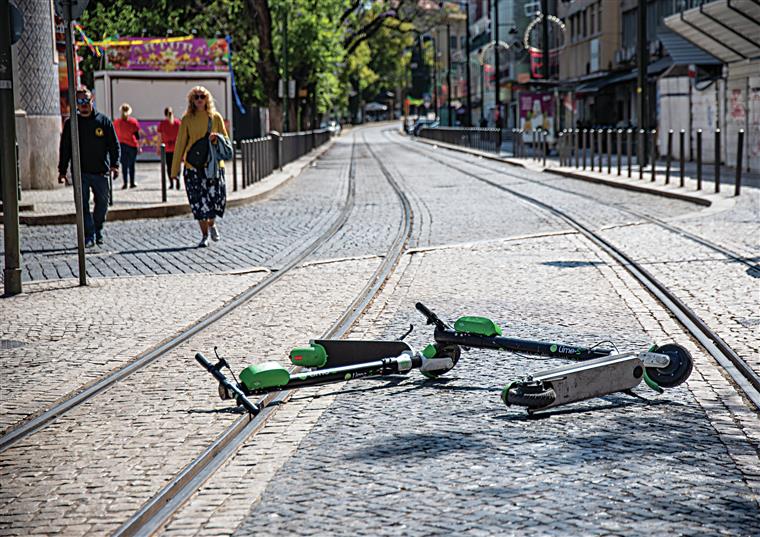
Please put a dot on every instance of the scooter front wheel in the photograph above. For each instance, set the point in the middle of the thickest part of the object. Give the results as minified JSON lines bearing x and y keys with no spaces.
{"x":677,"y":371}
{"x":530,"y":395}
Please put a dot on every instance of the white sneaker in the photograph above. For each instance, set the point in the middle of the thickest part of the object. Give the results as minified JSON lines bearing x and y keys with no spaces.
{"x":214,"y":233}
{"x":203,"y":243}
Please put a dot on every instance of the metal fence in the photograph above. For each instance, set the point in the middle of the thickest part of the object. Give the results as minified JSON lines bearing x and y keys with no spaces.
{"x":259,"y":157}
{"x":475,"y":138}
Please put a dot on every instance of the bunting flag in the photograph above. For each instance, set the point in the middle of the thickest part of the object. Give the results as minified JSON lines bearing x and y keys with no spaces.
{"x":238,"y":102}
{"x":132,"y":41}
{"x":94,"y":48}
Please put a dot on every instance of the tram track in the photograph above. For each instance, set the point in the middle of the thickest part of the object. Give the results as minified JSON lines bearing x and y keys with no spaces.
{"x":735,"y":366}
{"x":71,"y":402}
{"x":159,"y":509}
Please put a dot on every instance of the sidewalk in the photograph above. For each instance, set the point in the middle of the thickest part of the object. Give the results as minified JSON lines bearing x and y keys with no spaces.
{"x":51,"y":207}
{"x":705,"y":197}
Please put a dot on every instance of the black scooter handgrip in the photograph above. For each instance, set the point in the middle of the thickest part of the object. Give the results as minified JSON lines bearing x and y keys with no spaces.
{"x":423,"y":309}
{"x":219,"y":376}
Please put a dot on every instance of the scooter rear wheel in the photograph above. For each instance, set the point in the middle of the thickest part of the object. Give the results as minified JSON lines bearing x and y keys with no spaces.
{"x":678,"y":369}
{"x":531,"y":396}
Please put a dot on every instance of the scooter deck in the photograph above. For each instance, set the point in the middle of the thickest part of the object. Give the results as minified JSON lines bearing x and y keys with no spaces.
{"x":343,"y":352}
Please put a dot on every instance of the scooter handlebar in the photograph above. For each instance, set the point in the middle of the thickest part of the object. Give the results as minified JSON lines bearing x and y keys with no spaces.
{"x":240,"y":397}
{"x":432,"y":318}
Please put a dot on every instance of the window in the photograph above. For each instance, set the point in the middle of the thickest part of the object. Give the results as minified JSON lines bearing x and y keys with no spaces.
{"x":592,"y":26}
{"x":599,"y":16}
{"x":585,"y":19}
{"x":453,"y":42}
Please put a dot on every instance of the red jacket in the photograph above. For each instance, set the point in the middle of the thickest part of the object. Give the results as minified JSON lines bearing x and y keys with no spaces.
{"x":128,"y":131}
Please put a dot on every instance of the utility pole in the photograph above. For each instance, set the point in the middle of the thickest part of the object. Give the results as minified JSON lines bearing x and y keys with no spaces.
{"x":448,"y":73}
{"x":545,"y":38}
{"x":497,"y":100}
{"x":76,"y":168}
{"x":12,"y":266}
{"x":643,"y":64}
{"x":286,"y":75}
{"x":467,"y":52}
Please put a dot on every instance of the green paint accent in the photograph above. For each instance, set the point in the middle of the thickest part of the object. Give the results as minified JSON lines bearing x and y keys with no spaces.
{"x":430,"y":351}
{"x":266,"y":375}
{"x":480,"y":326}
{"x":314,"y":355}
{"x":652,"y":384}
{"x":553,"y":348}
{"x":505,"y":392}
{"x":347,"y":376}
{"x":653,"y":348}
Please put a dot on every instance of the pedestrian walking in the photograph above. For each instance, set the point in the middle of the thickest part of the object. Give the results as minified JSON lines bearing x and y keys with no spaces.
{"x":167,"y":135}
{"x":201,"y":136}
{"x":128,"y":131}
{"x":99,"y":157}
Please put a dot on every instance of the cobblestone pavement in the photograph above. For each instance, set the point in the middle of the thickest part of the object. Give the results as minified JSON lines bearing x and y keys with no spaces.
{"x":725,"y":293}
{"x":263,"y":233}
{"x":396,"y":455}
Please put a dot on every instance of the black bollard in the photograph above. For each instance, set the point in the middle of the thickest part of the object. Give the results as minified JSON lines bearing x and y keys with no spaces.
{"x":699,"y":159}
{"x":669,"y":156}
{"x":629,"y":149}
{"x":576,"y":134}
{"x":717,"y":160}
{"x":640,"y":153}
{"x":545,"y":137}
{"x":583,"y":147}
{"x":682,"y":163}
{"x":619,"y":149}
{"x":653,"y":151}
{"x":592,"y":153}
{"x":600,"y":148}
{"x":609,"y":151}
{"x":739,"y":151}
{"x":163,"y":173}
{"x":234,"y":165}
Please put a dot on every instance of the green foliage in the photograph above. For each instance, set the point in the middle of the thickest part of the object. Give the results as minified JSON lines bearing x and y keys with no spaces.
{"x":338,"y":46}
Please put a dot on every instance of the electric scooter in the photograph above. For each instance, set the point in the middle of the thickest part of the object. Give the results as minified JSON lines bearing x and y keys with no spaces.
{"x":599,"y":371}
{"x":327,"y":361}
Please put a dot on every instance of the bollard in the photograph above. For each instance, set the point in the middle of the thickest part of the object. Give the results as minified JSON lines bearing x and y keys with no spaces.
{"x":163,"y":173}
{"x":583,"y":147}
{"x":669,"y":156}
{"x":739,"y":151}
{"x":592,"y":155}
{"x":234,"y":165}
{"x":653,"y":151}
{"x":544,"y":135}
{"x":682,"y":163}
{"x":717,"y":160}
{"x":619,"y":149}
{"x":640,"y":153}
{"x":576,"y":134}
{"x":629,"y":149}
{"x":600,"y":148}
{"x":699,"y":159}
{"x":609,"y":151}
{"x":243,"y":165}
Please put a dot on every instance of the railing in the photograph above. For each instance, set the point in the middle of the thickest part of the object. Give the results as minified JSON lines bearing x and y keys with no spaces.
{"x":259,"y":157}
{"x":474,"y":138}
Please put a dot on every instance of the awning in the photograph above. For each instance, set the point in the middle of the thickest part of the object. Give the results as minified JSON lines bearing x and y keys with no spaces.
{"x":727,"y":29}
{"x":654,"y":68}
{"x":684,"y":53}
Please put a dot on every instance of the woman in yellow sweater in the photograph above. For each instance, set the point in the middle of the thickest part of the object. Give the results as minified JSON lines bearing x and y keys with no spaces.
{"x":207,"y":195}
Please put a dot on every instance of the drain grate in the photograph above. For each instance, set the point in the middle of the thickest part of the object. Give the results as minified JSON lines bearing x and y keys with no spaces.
{"x":7,"y":344}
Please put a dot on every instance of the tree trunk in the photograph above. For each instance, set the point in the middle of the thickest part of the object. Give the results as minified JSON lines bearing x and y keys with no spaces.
{"x":275,"y":114}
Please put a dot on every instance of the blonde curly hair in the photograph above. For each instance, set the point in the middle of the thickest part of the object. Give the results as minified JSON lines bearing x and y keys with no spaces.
{"x":208,"y":102}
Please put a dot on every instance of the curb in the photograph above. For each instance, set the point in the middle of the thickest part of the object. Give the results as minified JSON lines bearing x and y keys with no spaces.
{"x":163,"y":211}
{"x":683,"y":196}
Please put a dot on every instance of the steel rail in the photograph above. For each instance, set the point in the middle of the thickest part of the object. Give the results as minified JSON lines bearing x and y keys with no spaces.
{"x":158,"y":510}
{"x":144,"y":359}
{"x":741,"y":373}
{"x":661,"y":223}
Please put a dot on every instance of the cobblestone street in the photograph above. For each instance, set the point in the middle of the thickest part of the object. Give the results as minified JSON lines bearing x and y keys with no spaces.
{"x":397,"y":455}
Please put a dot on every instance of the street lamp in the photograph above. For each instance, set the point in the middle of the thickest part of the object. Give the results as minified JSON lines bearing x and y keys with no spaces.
{"x":482,"y":58}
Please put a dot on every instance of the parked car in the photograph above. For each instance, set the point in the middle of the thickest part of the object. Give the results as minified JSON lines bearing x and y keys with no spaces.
{"x":332,"y":126}
{"x":423,"y":122}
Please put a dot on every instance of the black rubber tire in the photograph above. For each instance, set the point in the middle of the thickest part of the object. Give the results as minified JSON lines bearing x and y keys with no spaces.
{"x":530,"y":396}
{"x":677,"y":371}
{"x":453,"y":352}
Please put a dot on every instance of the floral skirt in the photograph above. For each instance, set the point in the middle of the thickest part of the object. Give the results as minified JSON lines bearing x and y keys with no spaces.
{"x":207,"y":197}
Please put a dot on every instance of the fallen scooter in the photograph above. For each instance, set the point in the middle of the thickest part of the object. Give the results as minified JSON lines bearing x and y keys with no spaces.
{"x":600,"y":371}
{"x":327,"y":361}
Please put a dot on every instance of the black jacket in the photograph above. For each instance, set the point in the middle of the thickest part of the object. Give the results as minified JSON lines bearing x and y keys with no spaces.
{"x":98,"y":143}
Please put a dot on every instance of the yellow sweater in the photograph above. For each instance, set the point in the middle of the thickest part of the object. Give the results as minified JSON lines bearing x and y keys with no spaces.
{"x":192,"y":129}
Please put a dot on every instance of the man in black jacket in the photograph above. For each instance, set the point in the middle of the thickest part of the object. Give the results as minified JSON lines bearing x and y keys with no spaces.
{"x":99,"y":155}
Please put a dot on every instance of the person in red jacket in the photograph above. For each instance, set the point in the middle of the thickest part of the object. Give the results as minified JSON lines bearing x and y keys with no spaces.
{"x":167,"y":134}
{"x":128,"y":131}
